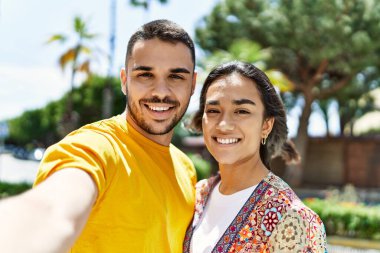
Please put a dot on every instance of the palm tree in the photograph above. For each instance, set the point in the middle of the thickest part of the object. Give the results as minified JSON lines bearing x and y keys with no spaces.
{"x":74,"y":56}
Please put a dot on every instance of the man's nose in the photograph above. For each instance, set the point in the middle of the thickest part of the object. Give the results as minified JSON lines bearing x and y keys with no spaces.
{"x":161,"y":89}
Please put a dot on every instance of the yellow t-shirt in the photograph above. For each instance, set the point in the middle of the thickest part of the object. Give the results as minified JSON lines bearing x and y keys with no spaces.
{"x":146,"y":190}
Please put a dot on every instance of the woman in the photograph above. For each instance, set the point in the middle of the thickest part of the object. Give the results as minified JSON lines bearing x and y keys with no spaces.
{"x":246,"y":208}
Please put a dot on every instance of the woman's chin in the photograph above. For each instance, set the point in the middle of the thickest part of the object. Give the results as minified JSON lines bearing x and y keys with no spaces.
{"x":225,"y":161}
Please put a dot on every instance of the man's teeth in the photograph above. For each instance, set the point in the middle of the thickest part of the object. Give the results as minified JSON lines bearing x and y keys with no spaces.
{"x":159,"y":108}
{"x":227,"y":141}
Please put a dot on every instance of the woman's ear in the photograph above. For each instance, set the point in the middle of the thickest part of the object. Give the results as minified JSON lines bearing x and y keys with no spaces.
{"x":267,"y":127}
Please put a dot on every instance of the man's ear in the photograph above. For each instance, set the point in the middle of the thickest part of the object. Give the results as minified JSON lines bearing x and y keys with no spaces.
{"x":123,"y":79}
{"x":267,"y":127}
{"x":194,"y":82}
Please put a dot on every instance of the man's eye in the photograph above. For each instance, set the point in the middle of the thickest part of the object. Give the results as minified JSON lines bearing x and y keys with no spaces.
{"x":146,"y":75}
{"x":173,"y":76}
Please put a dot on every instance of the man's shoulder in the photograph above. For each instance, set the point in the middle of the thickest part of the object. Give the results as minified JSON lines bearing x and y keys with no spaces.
{"x":100,"y":134}
{"x":104,"y":127}
{"x":104,"y":124}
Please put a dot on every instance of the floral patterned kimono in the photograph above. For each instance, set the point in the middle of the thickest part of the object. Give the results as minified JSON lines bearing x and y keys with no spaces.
{"x":273,"y":219}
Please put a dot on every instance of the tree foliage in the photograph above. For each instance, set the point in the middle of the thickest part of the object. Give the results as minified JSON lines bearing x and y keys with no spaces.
{"x":248,"y":51}
{"x":40,"y":127}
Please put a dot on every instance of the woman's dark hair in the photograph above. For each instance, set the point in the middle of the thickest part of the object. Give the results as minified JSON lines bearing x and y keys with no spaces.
{"x":164,"y":30}
{"x":276,"y":143}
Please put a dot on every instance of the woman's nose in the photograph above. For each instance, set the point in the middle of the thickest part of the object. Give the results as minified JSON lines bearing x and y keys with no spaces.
{"x":225,"y":125}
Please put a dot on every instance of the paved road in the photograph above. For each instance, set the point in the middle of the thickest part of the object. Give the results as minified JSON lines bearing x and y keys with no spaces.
{"x":340,"y":249}
{"x":15,"y":170}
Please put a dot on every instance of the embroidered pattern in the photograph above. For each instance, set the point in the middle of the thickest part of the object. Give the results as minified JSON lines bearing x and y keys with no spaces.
{"x":273,"y":219}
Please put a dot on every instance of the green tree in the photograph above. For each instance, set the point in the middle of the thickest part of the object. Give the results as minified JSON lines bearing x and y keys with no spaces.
{"x":323,"y":107}
{"x":41,"y":126}
{"x":356,"y":100}
{"x":78,"y":56}
{"x":322,"y":46}
{"x":248,"y":51}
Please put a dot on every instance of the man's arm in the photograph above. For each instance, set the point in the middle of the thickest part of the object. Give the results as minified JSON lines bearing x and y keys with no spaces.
{"x":49,"y":217}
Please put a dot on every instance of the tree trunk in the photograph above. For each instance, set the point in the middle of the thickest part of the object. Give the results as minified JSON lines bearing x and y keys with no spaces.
{"x":70,"y":119}
{"x":108,"y":98}
{"x":108,"y":94}
{"x":326,"y":118}
{"x":294,"y":173}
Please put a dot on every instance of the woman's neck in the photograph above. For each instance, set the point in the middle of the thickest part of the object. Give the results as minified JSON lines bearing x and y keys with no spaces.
{"x":237,"y":177}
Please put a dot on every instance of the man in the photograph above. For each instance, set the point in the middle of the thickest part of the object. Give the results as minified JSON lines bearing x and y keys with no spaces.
{"x":117,"y":185}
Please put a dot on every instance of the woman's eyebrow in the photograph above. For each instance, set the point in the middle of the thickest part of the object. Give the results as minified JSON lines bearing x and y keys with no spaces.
{"x":243,"y":101}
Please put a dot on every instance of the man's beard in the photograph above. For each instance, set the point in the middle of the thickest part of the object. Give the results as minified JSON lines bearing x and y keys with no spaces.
{"x":140,"y":121}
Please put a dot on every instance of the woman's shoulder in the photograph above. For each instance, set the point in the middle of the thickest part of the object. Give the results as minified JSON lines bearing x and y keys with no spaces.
{"x":277,"y":186}
{"x":282,"y":192}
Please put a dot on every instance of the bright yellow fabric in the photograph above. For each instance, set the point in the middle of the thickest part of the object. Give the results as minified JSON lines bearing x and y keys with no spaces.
{"x":146,"y":190}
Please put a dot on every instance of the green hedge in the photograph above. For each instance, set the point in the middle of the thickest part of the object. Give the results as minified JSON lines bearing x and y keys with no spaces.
{"x":10,"y":189}
{"x":202,"y":166}
{"x":347,"y":219}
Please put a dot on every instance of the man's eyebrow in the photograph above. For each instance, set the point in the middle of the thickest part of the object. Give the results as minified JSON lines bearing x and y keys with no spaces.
{"x":175,"y":70}
{"x":180,"y":70}
{"x":212,"y":102}
{"x":142,"y":68}
{"x":243,"y":101}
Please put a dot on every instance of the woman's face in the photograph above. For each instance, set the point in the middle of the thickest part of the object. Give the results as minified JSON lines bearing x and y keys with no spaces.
{"x":233,"y":123}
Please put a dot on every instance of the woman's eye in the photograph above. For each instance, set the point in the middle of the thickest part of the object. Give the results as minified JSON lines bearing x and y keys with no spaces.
{"x":242,"y":112}
{"x":212,"y":111}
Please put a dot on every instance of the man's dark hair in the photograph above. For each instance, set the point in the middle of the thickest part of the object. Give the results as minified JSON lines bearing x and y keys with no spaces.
{"x":164,"y":30}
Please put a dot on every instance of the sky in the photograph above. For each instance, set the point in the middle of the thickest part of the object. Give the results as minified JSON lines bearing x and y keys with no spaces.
{"x":30,"y":76}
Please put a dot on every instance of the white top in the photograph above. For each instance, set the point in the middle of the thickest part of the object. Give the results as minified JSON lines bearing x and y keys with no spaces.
{"x":219,"y":213}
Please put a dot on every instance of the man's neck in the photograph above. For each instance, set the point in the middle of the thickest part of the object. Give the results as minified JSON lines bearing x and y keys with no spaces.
{"x":162,"y":139}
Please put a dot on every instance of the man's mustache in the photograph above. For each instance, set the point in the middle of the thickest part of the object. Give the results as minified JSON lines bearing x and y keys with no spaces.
{"x":166,"y":100}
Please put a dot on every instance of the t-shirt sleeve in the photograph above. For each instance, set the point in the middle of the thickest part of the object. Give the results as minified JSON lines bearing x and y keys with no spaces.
{"x":193,"y":173}
{"x":188,"y":165}
{"x":86,"y":150}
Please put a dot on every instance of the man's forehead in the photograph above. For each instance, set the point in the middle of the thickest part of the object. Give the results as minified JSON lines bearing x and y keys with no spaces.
{"x":155,"y":40}
{"x":155,"y":53}
{"x":158,"y":43}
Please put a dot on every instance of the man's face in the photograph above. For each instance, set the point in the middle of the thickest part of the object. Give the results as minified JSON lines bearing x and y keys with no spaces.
{"x":158,"y":82}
